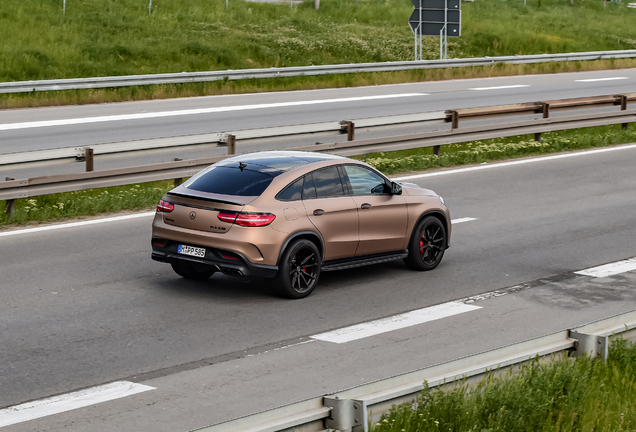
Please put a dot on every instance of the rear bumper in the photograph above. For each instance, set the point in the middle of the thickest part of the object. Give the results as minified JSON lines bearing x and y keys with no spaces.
{"x":239,"y":266}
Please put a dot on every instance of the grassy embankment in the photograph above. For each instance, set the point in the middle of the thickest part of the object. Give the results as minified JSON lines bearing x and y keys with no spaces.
{"x":565,"y":395}
{"x":118,"y":37}
{"x":145,"y":196}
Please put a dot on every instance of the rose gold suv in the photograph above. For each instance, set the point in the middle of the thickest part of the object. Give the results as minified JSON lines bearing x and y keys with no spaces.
{"x":291,"y":215}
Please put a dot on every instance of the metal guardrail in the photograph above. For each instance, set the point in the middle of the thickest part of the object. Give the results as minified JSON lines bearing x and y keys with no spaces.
{"x":23,"y":188}
{"x":352,"y":409}
{"x":188,"y":77}
{"x":213,"y":138}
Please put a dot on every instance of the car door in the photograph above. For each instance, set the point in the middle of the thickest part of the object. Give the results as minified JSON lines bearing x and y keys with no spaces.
{"x":382,"y":216}
{"x":332,"y":211}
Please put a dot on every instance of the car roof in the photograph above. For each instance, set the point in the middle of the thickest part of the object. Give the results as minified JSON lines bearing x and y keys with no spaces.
{"x":278,"y":160}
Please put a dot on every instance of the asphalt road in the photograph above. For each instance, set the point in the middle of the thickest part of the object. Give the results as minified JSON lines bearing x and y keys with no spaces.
{"x":239,"y":112}
{"x":85,"y":305}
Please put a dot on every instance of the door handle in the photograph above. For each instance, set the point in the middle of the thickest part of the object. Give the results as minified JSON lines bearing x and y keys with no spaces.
{"x":319,"y":212}
{"x":365,"y":206}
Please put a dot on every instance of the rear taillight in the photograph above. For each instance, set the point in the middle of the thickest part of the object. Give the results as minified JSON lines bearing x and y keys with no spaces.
{"x":165,"y":206}
{"x":247,"y":219}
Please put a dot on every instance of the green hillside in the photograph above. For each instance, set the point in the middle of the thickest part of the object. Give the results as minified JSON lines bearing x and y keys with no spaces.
{"x":119,"y":37}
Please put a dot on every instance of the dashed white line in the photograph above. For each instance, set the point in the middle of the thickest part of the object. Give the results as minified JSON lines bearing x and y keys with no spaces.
{"x":462,"y":220}
{"x":499,"y":87}
{"x":384,"y":325}
{"x":601,"y":79}
{"x":75,"y":121}
{"x":70,"y":401}
{"x":517,"y":162}
{"x":75,"y":224}
{"x":610,"y":269}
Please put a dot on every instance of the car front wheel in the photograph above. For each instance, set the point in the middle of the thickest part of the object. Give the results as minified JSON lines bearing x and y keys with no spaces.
{"x":427,"y":244}
{"x":194,"y":271}
{"x":299,"y":269}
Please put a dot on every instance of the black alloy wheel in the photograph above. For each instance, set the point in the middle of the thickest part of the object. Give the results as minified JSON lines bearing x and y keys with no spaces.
{"x":191,"y":270}
{"x":427,"y":245}
{"x":299,"y":269}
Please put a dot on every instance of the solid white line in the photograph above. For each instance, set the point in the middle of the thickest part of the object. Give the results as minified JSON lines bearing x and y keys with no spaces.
{"x":70,"y":401}
{"x":517,"y":162}
{"x":460,"y":220}
{"x":610,"y":269}
{"x":601,"y":79}
{"x":499,"y":87}
{"x":372,"y":328}
{"x":75,"y":224}
{"x":74,"y":121}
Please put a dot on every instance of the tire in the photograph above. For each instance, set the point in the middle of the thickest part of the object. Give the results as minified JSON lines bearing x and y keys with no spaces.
{"x":427,"y":245}
{"x":192,"y":271}
{"x":299,"y":269}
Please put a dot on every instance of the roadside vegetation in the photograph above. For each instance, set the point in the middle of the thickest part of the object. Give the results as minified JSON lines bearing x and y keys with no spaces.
{"x":564,"y":395}
{"x":119,"y":37}
{"x":62,"y":206}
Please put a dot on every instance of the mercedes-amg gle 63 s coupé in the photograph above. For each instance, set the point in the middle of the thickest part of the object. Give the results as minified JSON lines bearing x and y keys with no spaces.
{"x":293,"y":215}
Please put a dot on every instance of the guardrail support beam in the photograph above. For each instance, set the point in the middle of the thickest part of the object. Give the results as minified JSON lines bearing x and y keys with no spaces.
{"x":589,"y":345}
{"x":623,"y":100}
{"x":10,"y":203}
{"x":349,"y":127}
{"x":346,"y":414}
{"x":231,"y":144}
{"x":89,"y":159}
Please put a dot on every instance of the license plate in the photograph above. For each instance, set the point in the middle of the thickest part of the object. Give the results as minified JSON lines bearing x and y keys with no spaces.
{"x":191,"y":250}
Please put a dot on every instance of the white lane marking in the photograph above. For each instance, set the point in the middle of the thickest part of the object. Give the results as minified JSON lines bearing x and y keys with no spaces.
{"x":70,"y":401}
{"x":461,"y":220}
{"x":610,"y":269}
{"x":74,"y":121}
{"x":601,"y":79}
{"x":517,"y":162}
{"x":499,"y":87}
{"x":75,"y":224}
{"x":372,"y":328}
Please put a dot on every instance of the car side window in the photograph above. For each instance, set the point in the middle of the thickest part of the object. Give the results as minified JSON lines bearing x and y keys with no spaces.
{"x":328,"y":182}
{"x":292,"y":192}
{"x":309,"y":190}
{"x":365,"y":182}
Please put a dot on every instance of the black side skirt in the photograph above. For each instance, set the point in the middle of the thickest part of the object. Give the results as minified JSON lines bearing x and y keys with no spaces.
{"x":348,"y":263}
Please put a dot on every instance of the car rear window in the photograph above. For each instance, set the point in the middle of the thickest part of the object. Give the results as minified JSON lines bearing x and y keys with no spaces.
{"x":231,"y":181}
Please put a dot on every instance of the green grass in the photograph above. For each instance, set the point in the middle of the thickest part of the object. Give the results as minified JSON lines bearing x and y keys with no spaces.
{"x":118,"y":37}
{"x":564,"y":395}
{"x":90,"y":202}
{"x":145,"y":196}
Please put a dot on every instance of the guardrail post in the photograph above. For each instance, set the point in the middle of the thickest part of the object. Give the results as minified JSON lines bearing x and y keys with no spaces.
{"x":346,"y":414}
{"x":178,"y":181}
{"x":436,"y":150}
{"x":623,"y":100}
{"x":454,"y":119}
{"x":10,"y":203}
{"x":590,"y":345}
{"x":89,"y":159}
{"x":349,"y":127}
{"x":231,"y":144}
{"x":537,"y":137}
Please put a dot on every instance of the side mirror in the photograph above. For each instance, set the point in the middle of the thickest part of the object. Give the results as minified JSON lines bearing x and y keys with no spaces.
{"x":396,"y":189}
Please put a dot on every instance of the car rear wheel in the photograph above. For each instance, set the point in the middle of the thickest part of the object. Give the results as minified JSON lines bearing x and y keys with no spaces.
{"x":299,"y":269}
{"x":427,"y":244}
{"x":193,"y":271}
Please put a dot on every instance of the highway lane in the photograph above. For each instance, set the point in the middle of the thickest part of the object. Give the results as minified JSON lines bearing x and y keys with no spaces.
{"x":238,"y":112}
{"x":86,"y":305}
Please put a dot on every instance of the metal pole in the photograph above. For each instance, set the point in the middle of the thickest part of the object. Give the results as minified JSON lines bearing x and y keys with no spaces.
{"x":226,"y":4}
{"x":64,"y":8}
{"x":150,"y":7}
{"x":445,"y":29}
{"x":420,"y":4}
